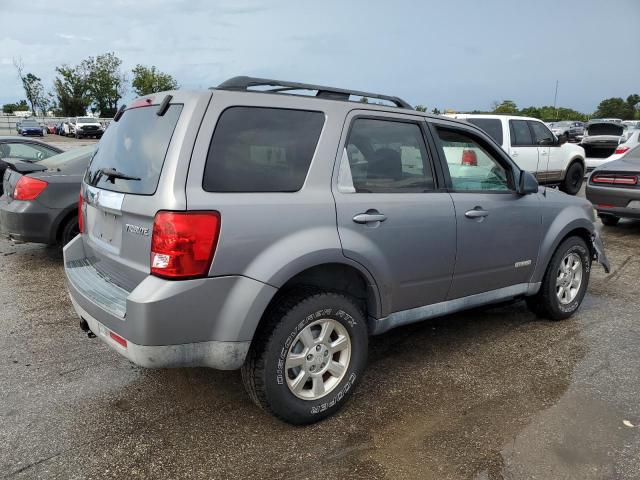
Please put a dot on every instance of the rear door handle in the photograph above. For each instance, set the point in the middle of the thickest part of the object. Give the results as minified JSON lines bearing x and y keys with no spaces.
{"x":476,"y":213}
{"x":369,"y":217}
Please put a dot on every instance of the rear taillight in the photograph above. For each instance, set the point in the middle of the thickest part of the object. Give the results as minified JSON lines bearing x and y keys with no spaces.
{"x":622,"y":149}
{"x":80,"y":215}
{"x":28,"y":188}
{"x":615,"y":179}
{"x":183,"y":243}
{"x":470,"y":158}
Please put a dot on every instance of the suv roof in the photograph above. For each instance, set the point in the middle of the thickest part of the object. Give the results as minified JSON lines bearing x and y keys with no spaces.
{"x":463,"y":116}
{"x":246,"y":84}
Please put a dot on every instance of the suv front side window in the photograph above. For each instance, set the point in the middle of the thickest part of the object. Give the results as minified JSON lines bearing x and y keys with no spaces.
{"x":385,"y":156}
{"x":471,"y":165}
{"x":542,"y":135}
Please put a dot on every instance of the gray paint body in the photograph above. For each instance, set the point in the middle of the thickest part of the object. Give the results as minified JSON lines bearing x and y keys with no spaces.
{"x":426,"y":259}
{"x":41,"y":220}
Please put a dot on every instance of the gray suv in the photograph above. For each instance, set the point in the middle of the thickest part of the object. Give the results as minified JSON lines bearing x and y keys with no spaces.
{"x":252,"y":227}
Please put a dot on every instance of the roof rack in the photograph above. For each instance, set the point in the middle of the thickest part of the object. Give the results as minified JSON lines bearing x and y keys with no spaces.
{"x":331,"y":93}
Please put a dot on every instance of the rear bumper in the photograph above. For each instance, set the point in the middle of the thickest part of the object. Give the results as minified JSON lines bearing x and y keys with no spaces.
{"x":213,"y":354}
{"x":27,"y":221}
{"x":615,"y":201}
{"x":201,"y":322}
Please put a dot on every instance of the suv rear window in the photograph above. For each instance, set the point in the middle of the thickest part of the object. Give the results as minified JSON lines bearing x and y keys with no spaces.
{"x":491,"y":126}
{"x":136,"y":146}
{"x":258,"y":149}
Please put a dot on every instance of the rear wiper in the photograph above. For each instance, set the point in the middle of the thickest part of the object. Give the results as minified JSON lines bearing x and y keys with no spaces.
{"x":112,"y":174}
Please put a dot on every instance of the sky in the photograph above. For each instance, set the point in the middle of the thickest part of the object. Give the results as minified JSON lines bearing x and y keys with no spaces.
{"x":456,"y":54}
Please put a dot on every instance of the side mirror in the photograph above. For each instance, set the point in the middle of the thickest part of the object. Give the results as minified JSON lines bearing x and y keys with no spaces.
{"x":528,"y":183}
{"x":562,"y":139}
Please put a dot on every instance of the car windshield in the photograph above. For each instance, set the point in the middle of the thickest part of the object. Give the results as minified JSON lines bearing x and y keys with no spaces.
{"x":561,"y":124}
{"x":29,"y":123}
{"x":86,"y":120}
{"x":57,"y":161}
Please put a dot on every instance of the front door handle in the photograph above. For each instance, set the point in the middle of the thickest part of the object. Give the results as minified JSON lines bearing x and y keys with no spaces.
{"x":369,"y":217}
{"x":476,"y":213}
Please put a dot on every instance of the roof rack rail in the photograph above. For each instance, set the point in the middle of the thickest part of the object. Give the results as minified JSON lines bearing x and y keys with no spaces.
{"x":244,"y":83}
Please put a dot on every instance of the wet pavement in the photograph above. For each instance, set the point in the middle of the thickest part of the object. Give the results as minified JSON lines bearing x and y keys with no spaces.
{"x":487,"y":394}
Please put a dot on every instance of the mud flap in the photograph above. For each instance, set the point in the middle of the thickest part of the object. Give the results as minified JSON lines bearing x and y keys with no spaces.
{"x":597,"y":247}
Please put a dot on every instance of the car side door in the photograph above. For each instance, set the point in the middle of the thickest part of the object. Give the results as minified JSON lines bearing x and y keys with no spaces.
{"x":498,"y":230}
{"x":394,"y":217}
{"x":551,"y":166}
{"x":524,"y":149}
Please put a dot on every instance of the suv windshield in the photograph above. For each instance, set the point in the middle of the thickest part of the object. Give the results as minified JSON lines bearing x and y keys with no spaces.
{"x":134,"y":146}
{"x":86,"y":120}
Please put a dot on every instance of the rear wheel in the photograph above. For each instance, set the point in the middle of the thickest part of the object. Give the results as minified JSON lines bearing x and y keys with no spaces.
{"x":565,"y":282}
{"x":609,"y":220}
{"x":69,"y":231}
{"x":305,"y":360}
{"x":573,"y":179}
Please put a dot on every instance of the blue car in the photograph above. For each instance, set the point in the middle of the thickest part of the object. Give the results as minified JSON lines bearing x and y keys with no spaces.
{"x":30,"y":127}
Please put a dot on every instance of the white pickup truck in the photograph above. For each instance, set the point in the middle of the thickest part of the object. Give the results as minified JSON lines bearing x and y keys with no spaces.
{"x":535,"y":148}
{"x":82,"y":127}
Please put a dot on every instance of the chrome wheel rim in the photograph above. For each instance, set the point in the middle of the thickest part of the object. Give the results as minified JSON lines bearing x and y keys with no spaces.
{"x":569,"y":278}
{"x":318,"y":359}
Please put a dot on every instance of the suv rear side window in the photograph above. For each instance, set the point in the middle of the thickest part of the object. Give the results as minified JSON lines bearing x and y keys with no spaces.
{"x":520,"y":133}
{"x":135,"y":146}
{"x":492,"y":126}
{"x":258,"y":149}
{"x":386,"y":157}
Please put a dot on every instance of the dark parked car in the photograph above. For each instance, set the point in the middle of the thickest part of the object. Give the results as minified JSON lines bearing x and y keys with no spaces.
{"x":30,"y":127}
{"x":573,"y":131}
{"x":23,"y":149}
{"x":40,"y":203}
{"x":614,"y":188}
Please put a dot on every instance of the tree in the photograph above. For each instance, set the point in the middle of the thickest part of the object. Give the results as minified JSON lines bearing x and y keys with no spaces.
{"x":506,"y":107}
{"x":421,"y":108}
{"x":615,"y":107}
{"x":33,"y":89}
{"x":9,"y":108}
{"x":435,"y":111}
{"x":72,"y":90}
{"x":148,"y":80}
{"x":106,"y":83}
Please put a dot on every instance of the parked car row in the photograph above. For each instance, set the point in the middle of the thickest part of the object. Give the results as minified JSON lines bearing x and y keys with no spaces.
{"x":80,"y":127}
{"x":282,"y":230}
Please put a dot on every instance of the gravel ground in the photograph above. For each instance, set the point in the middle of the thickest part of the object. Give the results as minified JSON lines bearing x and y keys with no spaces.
{"x":486,"y":394}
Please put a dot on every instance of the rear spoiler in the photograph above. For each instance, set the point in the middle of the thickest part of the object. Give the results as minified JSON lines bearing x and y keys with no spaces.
{"x":23,"y":167}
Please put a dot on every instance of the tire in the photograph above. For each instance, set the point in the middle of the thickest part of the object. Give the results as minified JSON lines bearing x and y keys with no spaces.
{"x":69,"y":231}
{"x":573,"y":179}
{"x":609,"y":220}
{"x":266,"y":376}
{"x":77,"y":136}
{"x":546,"y":303}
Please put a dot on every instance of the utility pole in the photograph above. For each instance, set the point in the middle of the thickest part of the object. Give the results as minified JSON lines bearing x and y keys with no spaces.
{"x":555,"y":101}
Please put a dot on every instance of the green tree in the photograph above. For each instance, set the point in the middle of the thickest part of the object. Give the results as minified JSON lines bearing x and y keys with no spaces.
{"x":33,"y":89}
{"x":615,"y":107}
{"x":71,"y":88}
{"x":9,"y":108}
{"x":106,"y":83}
{"x":148,"y":80}
{"x":506,"y":107}
{"x":421,"y":108}
{"x":435,"y":111}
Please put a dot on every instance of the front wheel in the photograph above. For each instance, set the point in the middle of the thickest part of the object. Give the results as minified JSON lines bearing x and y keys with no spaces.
{"x":573,"y":179}
{"x":305,"y":360}
{"x":565,"y":282}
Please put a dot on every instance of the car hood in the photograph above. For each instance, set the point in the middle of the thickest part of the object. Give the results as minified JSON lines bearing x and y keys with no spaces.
{"x":621,"y":165}
{"x":605,"y":129}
